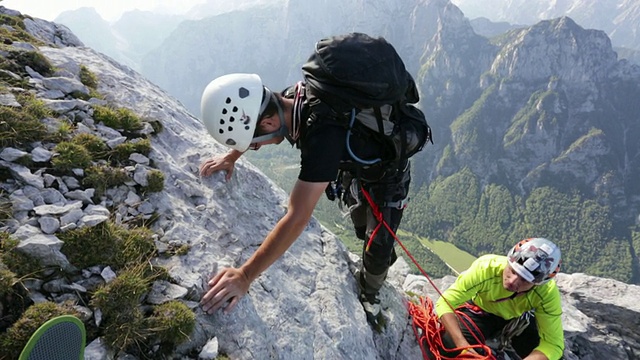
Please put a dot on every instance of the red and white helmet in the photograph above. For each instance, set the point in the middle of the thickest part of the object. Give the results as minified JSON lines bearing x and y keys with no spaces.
{"x":537,"y":260}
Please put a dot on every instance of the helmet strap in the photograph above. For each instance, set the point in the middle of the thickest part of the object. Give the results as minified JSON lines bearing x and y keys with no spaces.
{"x":283,"y":131}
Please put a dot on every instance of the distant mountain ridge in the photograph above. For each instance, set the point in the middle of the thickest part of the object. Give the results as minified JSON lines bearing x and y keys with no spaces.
{"x":618,"y":18}
{"x":128,"y":39}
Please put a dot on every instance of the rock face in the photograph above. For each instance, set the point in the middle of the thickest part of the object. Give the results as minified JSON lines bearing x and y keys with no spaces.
{"x":305,"y":306}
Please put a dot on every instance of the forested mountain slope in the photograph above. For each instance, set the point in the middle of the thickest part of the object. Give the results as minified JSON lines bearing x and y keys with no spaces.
{"x":536,"y":135}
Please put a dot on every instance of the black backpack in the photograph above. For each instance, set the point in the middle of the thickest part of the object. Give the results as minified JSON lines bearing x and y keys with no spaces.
{"x":362,"y":81}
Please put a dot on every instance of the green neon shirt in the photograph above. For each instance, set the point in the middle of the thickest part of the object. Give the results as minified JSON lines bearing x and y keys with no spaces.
{"x":482,"y":283}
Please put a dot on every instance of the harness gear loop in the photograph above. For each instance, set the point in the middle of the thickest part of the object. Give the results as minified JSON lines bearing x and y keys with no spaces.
{"x":513,"y":328}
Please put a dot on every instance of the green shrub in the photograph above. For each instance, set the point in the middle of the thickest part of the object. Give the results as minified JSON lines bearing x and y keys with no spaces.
{"x":70,"y":156}
{"x":95,"y":94}
{"x":35,"y":60}
{"x":137,"y":246}
{"x":106,"y":115}
{"x":13,"y":21}
{"x":17,"y":262}
{"x":6,"y":79}
{"x":125,"y":330}
{"x":155,"y":180}
{"x":88,"y":78}
{"x":96,"y":146}
{"x":102,"y":177}
{"x":128,"y":120}
{"x":108,"y":244}
{"x":179,"y":250}
{"x":7,"y":280}
{"x":63,"y":133}
{"x":19,"y":127}
{"x":120,"y":119}
{"x":26,"y":161}
{"x":19,"y":33}
{"x":20,"y":332}
{"x":123,"y":293}
{"x":172,"y":322}
{"x":34,"y":106}
{"x":121,"y":152}
{"x":80,"y":95}
{"x":6,"y":207}
{"x":90,"y":246}
{"x":119,"y":300}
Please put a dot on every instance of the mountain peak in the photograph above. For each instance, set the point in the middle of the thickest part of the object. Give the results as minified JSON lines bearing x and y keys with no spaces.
{"x":555,"y":48}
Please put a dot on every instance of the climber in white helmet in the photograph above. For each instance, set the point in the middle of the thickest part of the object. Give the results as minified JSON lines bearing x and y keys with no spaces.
{"x":514,"y":299}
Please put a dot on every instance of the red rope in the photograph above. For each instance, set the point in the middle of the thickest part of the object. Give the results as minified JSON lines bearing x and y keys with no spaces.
{"x":426,"y":325}
{"x":429,"y":331}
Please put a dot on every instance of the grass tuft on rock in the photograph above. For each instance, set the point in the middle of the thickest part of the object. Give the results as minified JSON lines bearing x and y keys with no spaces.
{"x":119,"y":119}
{"x":172,"y":322}
{"x":107,"y":244}
{"x":16,"y":261}
{"x":17,"y":336}
{"x":103,"y":177}
{"x":70,"y":156}
{"x":155,"y":181}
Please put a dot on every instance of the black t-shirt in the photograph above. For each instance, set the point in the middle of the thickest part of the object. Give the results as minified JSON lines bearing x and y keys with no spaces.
{"x":322,"y":144}
{"x":322,"y":148}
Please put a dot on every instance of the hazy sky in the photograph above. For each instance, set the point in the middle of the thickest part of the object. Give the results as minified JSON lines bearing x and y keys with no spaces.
{"x":109,"y":9}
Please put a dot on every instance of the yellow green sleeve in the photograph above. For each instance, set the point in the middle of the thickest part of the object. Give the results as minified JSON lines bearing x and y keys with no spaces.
{"x":480,"y":275}
{"x":548,"y":315}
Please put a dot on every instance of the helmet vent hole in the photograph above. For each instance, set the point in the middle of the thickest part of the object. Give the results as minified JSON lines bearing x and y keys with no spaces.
{"x":247,"y":127}
{"x":230,"y":128}
{"x":221,"y":121}
{"x":221,"y":131}
{"x":228,"y":101}
{"x":243,"y":93}
{"x":224,"y":111}
{"x":235,"y":109}
{"x":232,"y":119}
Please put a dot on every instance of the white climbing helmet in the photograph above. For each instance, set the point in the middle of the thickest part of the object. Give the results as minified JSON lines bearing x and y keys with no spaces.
{"x":231,"y":106}
{"x":537,"y":260}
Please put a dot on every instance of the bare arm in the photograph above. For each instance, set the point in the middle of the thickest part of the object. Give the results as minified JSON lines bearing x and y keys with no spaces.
{"x":302,"y":201}
{"x":231,"y":283}
{"x":450,"y":323}
{"x":221,"y":162}
{"x":536,"y":355}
